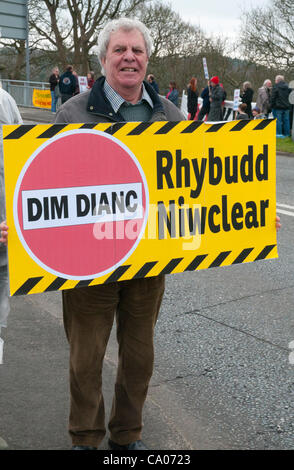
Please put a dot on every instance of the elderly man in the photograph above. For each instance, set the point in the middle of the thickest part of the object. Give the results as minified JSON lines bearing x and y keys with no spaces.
{"x":124,"y":47}
{"x":281,"y":106}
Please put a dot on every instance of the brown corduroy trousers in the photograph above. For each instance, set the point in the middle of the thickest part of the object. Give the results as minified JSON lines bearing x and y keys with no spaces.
{"x":89,"y":313}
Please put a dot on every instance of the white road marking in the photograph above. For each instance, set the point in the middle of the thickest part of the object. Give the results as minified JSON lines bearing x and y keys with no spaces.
{"x":282,"y":211}
{"x":285,"y":205}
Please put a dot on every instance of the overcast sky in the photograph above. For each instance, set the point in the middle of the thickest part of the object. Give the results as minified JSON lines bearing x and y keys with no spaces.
{"x":215,"y":16}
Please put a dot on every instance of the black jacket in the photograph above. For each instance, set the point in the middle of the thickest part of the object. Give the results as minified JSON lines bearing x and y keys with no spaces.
{"x":280,"y":96}
{"x":247,"y":97}
{"x":67,"y":83}
{"x":192,"y":100}
{"x":205,"y":96}
{"x":53,"y":80}
{"x":99,"y":104}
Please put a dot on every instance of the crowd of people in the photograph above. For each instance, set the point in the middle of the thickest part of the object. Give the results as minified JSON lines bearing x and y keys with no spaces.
{"x":66,"y":85}
{"x":269,"y":100}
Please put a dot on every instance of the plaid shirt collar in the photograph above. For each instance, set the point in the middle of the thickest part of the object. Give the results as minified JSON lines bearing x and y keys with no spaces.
{"x":116,"y":100}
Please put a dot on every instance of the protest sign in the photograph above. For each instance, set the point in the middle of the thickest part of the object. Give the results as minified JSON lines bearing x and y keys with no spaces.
{"x":42,"y":98}
{"x":236,"y":99}
{"x":83,"y":84}
{"x":205,"y":68}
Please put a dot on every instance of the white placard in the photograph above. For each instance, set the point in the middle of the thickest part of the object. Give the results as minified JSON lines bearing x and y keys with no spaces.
{"x":83,"y":83}
{"x":236,"y":99}
{"x":206,"y":75}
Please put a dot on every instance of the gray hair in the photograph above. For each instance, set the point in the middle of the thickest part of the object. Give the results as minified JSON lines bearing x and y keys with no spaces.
{"x":279,"y":78}
{"x":268,"y":80}
{"x":126,"y":24}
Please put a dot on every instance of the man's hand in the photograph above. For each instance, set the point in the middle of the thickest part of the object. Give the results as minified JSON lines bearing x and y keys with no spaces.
{"x":278,"y":223}
{"x":3,"y":232}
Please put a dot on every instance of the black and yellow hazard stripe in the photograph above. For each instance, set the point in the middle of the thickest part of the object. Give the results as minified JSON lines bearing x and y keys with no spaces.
{"x":147,"y":269}
{"x":160,"y":128}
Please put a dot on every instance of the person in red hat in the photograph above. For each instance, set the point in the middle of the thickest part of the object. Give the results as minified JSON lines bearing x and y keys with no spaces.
{"x":216,"y":93}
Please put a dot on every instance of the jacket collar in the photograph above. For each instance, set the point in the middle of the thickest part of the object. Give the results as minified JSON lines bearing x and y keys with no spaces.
{"x":99,"y":104}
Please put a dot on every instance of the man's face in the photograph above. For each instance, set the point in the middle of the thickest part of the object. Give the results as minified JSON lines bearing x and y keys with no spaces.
{"x":126,"y":61}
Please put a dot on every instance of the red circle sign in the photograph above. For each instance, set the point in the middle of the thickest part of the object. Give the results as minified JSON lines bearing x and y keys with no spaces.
{"x":81,"y":204}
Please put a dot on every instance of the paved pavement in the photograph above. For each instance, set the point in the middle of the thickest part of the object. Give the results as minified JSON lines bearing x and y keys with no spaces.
{"x":222,"y":379}
{"x":37,"y":115}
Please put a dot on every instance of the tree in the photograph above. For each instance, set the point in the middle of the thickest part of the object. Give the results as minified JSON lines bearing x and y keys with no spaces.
{"x":175,"y":42}
{"x":71,"y":26}
{"x":13,"y":58}
{"x":267,"y":35}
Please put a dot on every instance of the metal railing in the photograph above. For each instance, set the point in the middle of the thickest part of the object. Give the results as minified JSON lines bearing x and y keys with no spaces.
{"x":228,"y":107}
{"x":22,"y":91}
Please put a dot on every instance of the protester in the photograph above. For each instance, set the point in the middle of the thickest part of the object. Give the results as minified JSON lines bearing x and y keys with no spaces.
{"x":241,"y":114}
{"x":264,"y":97}
{"x":67,"y":84}
{"x":192,"y":97}
{"x":281,"y":106}
{"x":204,"y":110}
{"x":216,"y":97}
{"x":89,"y":311}
{"x":151,"y":80}
{"x":90,"y":79}
{"x":173,"y":94}
{"x":246,"y":97}
{"x":257,"y":114}
{"x":53,"y":80}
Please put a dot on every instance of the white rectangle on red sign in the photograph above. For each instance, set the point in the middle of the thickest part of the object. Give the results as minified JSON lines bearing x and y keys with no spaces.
{"x":61,"y":207}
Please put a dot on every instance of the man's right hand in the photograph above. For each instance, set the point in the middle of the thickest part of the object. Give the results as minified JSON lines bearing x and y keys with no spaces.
{"x":4,"y":232}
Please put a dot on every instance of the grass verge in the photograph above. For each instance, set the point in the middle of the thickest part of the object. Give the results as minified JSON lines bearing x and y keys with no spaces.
{"x":285,"y":145}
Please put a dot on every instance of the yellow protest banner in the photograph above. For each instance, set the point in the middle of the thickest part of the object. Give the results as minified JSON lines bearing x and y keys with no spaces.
{"x":90,"y":204}
{"x":42,"y":98}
